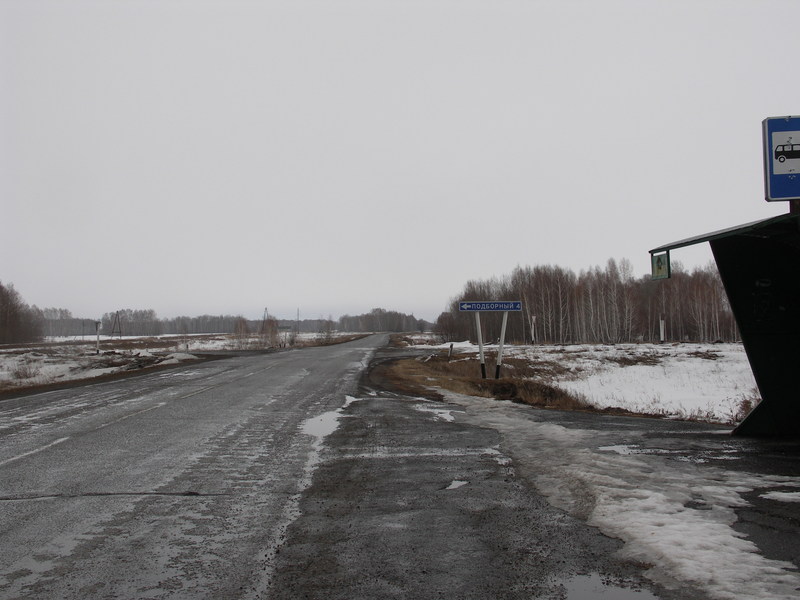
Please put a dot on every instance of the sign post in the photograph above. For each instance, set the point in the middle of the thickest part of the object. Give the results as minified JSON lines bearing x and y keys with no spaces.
{"x":480,"y":344}
{"x":500,"y":348}
{"x":498,"y":306}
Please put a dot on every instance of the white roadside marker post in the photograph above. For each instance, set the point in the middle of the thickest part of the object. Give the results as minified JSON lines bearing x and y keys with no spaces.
{"x":480,"y":343}
{"x":500,"y":348}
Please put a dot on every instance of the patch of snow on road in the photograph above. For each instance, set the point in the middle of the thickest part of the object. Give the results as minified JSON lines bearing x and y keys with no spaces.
{"x":782,"y":496}
{"x":683,"y":525}
{"x":348,"y":400}
{"x":457,"y":483}
{"x":442,"y":414}
{"x":177,"y":357}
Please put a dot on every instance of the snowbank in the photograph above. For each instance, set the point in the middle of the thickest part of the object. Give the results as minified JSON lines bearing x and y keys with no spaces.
{"x":703,"y":381}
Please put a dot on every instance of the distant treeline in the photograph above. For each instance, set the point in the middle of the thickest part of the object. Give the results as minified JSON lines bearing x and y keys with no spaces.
{"x":146,"y":322}
{"x":607,"y":305}
{"x":19,"y":323}
{"x":379,"y":319}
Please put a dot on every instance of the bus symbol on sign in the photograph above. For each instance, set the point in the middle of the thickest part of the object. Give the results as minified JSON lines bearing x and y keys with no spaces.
{"x":784,"y":151}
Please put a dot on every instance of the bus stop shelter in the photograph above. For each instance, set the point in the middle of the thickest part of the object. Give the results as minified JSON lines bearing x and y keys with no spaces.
{"x":759,"y":264}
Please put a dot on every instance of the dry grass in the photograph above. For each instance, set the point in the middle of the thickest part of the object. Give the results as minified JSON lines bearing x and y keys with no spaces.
{"x":747,"y":403}
{"x":332,"y":341}
{"x":25,"y":371}
{"x":521,"y":381}
{"x":705,"y":354}
{"x":631,"y":359}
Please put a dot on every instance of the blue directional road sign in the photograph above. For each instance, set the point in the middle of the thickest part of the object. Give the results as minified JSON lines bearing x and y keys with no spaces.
{"x":782,"y":158}
{"x":490,"y":306}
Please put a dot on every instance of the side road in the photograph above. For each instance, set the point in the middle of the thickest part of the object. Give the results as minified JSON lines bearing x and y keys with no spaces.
{"x":412,"y":501}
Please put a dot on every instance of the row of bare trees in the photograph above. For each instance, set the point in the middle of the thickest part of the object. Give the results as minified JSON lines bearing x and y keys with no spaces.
{"x":599,"y":305}
{"x":379,"y":319}
{"x":146,"y":322}
{"x":19,"y":323}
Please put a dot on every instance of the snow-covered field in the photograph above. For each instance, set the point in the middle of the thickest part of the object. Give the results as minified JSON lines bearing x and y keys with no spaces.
{"x":67,"y":359}
{"x":40,"y":366}
{"x":701,"y":381}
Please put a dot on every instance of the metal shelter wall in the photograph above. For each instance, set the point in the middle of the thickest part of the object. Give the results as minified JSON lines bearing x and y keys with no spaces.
{"x":760,"y":269}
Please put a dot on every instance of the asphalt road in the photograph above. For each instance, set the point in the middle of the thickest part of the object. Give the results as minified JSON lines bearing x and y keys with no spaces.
{"x":298,"y":475}
{"x":178,"y":484}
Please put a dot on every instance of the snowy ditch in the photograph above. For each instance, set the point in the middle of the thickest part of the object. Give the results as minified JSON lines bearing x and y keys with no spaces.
{"x":708,"y":382}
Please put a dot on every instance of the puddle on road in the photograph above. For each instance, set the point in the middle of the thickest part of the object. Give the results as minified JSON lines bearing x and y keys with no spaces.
{"x":591,"y":587}
{"x":326,"y":423}
{"x":323,"y":425}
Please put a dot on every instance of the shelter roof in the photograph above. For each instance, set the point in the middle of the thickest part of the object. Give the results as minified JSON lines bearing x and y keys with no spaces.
{"x":764,"y":227}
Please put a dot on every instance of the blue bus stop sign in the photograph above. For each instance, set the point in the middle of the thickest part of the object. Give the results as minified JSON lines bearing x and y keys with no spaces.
{"x":782,"y":158}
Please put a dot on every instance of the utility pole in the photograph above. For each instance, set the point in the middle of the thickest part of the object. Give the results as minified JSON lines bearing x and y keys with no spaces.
{"x":116,"y":326}
{"x":264,"y":332}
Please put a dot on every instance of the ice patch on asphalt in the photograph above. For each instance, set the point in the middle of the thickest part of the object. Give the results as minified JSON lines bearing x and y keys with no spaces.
{"x":443,"y":414}
{"x":348,"y":400}
{"x":457,"y":483}
{"x":782,"y":496}
{"x":635,"y":449}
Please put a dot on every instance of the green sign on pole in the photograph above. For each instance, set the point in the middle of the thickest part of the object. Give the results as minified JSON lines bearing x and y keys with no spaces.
{"x":659,"y":264}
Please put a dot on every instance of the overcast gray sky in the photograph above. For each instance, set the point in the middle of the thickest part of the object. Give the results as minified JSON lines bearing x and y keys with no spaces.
{"x":334,"y":156}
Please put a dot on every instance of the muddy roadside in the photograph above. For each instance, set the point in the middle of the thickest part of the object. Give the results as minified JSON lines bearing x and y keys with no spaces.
{"x":423,"y":372}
